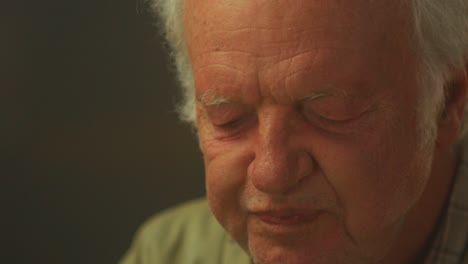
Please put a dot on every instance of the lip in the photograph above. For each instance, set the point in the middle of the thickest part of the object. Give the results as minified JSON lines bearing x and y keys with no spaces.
{"x":287,"y":218}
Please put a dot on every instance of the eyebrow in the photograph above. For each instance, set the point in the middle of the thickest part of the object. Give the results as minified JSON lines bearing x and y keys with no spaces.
{"x":210,"y":98}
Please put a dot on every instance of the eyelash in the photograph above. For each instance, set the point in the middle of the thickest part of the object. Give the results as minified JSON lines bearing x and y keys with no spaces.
{"x":235,"y":123}
{"x":333,"y":121}
{"x":230,"y":129}
{"x":236,"y":127}
{"x":230,"y":124}
{"x":327,"y":123}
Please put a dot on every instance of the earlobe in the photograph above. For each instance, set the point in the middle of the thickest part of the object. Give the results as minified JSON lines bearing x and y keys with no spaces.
{"x":451,"y":120}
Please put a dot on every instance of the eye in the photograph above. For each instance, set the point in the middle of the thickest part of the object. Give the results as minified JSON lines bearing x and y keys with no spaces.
{"x":332,"y":113}
{"x":333,"y":121}
{"x":231,"y":123}
{"x":228,"y":119}
{"x":224,"y":115}
{"x":329,"y":113}
{"x":234,"y":128}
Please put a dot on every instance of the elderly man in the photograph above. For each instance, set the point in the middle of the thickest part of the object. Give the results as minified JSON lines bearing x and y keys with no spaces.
{"x":330,"y":131}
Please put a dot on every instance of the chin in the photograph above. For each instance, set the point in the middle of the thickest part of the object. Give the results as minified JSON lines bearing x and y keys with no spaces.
{"x":270,"y":250}
{"x":306,"y":250}
{"x":286,"y":256}
{"x":283,"y":255}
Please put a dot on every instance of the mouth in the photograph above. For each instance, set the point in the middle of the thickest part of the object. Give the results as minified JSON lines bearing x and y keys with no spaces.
{"x":286,"y":218}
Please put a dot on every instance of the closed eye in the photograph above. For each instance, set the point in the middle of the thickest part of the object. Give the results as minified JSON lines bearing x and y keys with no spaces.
{"x":230,"y":124}
{"x":336,"y":121}
{"x":228,"y":120}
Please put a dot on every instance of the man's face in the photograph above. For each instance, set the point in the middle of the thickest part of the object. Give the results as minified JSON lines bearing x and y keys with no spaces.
{"x":308,"y":115}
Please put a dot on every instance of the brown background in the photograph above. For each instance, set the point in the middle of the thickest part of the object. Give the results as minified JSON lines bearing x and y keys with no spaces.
{"x":89,"y":143}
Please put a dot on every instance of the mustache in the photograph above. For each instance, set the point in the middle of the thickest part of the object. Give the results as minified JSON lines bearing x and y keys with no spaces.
{"x":304,"y":201}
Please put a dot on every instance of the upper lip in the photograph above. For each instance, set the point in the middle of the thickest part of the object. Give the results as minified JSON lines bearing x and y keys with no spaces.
{"x":286,"y":217}
{"x":284,"y":212}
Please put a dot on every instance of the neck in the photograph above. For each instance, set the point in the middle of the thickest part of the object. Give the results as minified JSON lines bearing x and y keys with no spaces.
{"x":422,"y":220}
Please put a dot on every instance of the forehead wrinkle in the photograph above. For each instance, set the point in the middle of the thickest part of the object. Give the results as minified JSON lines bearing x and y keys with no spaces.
{"x":266,"y":45}
{"x":216,"y":51}
{"x":220,"y":65}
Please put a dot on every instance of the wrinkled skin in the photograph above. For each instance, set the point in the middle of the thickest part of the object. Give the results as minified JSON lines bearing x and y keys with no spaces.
{"x":309,"y":116}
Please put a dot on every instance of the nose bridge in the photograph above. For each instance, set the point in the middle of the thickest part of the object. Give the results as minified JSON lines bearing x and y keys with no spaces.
{"x":274,"y":132}
{"x":275,"y":167}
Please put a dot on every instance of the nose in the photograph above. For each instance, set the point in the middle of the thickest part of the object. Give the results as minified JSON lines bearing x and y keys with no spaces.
{"x":279,"y":165}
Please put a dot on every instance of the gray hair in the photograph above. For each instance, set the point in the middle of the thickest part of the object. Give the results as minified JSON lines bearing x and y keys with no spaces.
{"x":441,"y":33}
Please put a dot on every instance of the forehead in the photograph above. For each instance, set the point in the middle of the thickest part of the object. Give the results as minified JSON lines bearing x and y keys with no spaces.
{"x":228,"y":39}
{"x":333,"y":19}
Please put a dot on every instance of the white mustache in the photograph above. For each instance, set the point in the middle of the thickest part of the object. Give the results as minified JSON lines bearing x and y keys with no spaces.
{"x":307,"y":202}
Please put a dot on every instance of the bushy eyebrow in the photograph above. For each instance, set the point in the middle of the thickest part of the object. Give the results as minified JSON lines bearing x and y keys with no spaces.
{"x":210,"y":98}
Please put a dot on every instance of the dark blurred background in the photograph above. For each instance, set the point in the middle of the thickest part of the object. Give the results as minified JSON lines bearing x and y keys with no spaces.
{"x":90,"y":146}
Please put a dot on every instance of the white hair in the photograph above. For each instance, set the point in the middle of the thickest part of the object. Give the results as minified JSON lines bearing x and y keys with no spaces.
{"x":440,"y":32}
{"x":441,"y":35}
{"x":171,"y":14}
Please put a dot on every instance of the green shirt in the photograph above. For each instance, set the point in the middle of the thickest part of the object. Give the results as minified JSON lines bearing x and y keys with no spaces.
{"x":187,"y":234}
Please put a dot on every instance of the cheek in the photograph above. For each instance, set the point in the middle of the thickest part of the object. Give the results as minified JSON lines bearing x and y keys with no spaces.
{"x":376,"y":180}
{"x":226,"y":169}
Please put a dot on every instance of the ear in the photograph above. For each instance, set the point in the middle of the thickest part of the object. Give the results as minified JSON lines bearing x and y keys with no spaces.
{"x":451,"y":120}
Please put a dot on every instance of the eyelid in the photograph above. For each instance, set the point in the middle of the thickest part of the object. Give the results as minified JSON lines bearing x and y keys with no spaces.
{"x":362,"y":122}
{"x":336,"y":111}
{"x":337,"y":121}
{"x":223,"y":113}
{"x":233,"y":128}
{"x":312,"y":97}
